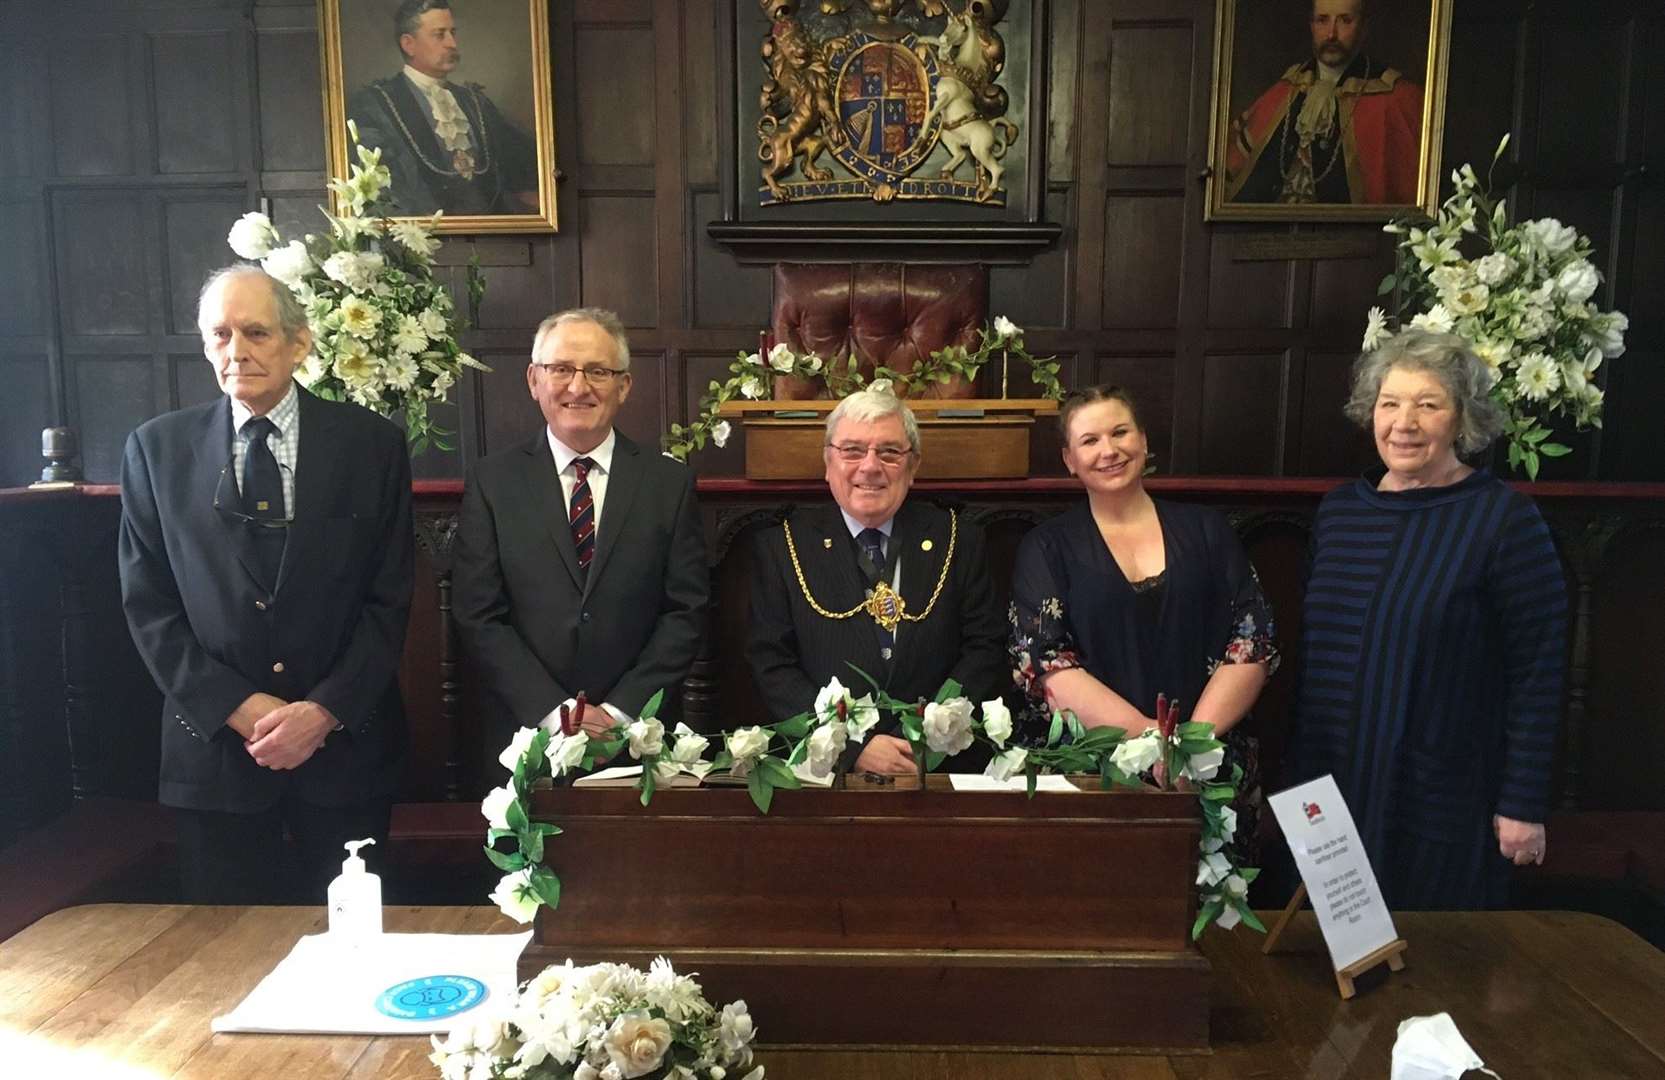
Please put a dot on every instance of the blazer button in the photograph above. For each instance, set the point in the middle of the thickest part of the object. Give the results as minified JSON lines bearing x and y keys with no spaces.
{"x":277,"y":668}
{"x":260,"y":605}
{"x":584,"y":617}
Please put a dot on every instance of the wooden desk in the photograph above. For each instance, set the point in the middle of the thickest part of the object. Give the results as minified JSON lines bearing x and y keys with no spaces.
{"x":120,"y":991}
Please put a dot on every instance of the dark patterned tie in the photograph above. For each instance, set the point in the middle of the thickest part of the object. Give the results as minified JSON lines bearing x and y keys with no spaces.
{"x":872,"y":547}
{"x":582,"y":513}
{"x":262,"y":483}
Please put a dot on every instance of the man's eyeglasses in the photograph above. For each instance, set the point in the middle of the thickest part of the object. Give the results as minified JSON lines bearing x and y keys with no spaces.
{"x":856,"y":453}
{"x":228,"y":501}
{"x":595,"y":376}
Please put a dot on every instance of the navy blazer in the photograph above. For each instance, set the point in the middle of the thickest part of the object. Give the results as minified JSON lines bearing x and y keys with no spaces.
{"x":331,"y":628}
{"x":539,"y":630}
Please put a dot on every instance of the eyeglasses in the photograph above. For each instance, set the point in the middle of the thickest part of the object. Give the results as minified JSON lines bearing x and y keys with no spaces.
{"x":227,"y":502}
{"x":595,"y":376}
{"x":856,"y":453}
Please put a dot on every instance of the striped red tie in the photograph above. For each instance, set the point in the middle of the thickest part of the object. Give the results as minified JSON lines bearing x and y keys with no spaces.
{"x":582,"y":514}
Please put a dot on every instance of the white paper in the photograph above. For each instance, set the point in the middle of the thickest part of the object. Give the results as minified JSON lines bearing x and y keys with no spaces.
{"x":1333,"y":863}
{"x":603,"y":776}
{"x":326,"y":987}
{"x":980,"y":782}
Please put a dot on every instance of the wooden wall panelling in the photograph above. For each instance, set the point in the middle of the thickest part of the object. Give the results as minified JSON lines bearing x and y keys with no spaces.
{"x":1063,"y":130}
{"x":1141,"y":276}
{"x":288,"y":104}
{"x":1623,"y":740}
{"x":1038,"y":294}
{"x":113,"y":394}
{"x":726,"y":292}
{"x":22,"y":288}
{"x":1244,"y":397}
{"x":199,"y":100}
{"x":194,"y":224}
{"x":697,"y":371}
{"x":1327,"y":443}
{"x":102,"y":256}
{"x":96,"y":130}
{"x":25,"y":408}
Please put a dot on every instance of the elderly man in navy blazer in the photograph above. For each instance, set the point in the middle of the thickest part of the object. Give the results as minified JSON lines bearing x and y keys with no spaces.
{"x":266,"y":562}
{"x":580,"y":560}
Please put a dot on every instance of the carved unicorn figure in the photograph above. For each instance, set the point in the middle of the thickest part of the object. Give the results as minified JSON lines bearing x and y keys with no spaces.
{"x":972,"y":107}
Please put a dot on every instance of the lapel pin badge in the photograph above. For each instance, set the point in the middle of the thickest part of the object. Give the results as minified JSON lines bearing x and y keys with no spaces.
{"x":924,"y":545}
{"x":827,"y":543}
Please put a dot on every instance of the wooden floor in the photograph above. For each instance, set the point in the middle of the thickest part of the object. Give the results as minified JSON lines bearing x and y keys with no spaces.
{"x":126,"y":991}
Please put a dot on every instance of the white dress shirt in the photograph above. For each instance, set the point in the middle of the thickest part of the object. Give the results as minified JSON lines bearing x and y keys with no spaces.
{"x":451,"y":124}
{"x":284,"y":442}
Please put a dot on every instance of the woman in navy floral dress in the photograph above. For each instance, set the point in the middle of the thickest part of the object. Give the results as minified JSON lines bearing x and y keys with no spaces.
{"x":1124,"y":597}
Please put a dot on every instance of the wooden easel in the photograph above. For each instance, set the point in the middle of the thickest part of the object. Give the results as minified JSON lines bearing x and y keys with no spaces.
{"x":1391,"y":953}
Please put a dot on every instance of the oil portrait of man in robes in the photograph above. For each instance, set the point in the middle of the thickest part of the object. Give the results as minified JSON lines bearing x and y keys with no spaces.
{"x":456,"y":96}
{"x":1338,"y":133}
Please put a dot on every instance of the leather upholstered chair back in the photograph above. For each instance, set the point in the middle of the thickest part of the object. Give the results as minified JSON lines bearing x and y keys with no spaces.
{"x":890,"y":314}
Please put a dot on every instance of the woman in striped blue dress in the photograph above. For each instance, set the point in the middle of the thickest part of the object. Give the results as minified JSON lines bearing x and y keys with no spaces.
{"x":1434,"y":641}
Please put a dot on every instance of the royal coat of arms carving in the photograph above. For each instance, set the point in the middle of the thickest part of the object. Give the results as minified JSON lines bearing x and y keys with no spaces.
{"x":860,"y":93}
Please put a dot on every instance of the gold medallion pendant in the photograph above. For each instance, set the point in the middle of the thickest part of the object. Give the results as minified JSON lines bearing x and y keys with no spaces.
{"x":463,"y":162}
{"x":886,"y":606}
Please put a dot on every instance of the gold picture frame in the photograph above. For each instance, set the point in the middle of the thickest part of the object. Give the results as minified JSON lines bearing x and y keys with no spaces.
{"x":1262,"y":167}
{"x":486,"y":179}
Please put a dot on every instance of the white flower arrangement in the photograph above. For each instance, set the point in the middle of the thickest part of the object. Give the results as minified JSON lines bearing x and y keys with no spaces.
{"x":604,"y":1022}
{"x":384,"y":332}
{"x":752,"y":377}
{"x":769,"y":756}
{"x":1523,"y":301}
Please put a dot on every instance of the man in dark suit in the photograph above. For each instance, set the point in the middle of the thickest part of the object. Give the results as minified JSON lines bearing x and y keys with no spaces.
{"x":580,"y":561}
{"x":266,"y":560}
{"x":446,"y":146}
{"x":816,"y":573}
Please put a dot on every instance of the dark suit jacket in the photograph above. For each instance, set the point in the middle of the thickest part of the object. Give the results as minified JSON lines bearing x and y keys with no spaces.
{"x":390,"y":116}
{"x":212,"y":632}
{"x":539,"y":631}
{"x":793,"y":652}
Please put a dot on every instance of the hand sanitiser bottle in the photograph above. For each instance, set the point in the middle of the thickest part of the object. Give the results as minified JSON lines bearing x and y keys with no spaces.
{"x":355,"y":898}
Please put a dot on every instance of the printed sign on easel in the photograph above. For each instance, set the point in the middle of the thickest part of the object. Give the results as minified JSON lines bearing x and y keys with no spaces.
{"x":1336,"y":875}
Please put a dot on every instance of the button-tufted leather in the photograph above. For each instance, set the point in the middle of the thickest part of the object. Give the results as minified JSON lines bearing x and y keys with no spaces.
{"x":894,"y":314}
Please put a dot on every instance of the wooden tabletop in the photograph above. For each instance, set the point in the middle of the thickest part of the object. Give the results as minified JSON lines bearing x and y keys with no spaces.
{"x":119,"y":991}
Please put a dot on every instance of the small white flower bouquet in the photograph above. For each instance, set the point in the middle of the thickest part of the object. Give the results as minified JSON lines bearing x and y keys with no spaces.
{"x":384,"y":332}
{"x":1524,"y":302}
{"x":604,"y":1022}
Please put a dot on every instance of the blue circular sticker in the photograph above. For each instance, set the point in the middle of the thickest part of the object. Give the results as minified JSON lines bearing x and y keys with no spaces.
{"x":430,"y":997}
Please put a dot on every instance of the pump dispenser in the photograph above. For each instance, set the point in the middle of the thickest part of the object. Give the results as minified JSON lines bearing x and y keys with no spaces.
{"x":355,"y":898}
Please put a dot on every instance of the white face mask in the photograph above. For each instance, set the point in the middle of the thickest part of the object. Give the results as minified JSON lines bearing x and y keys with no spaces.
{"x":1431,"y":1048}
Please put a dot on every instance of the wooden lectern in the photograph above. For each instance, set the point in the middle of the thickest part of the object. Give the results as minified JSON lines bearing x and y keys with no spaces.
{"x":897,"y":918}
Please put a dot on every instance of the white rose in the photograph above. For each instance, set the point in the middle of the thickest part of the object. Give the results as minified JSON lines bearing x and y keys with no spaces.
{"x":495,"y":806}
{"x":566,"y":751}
{"x":752,"y":387}
{"x":863,"y":716}
{"x":1137,"y":755}
{"x":1608,"y":330}
{"x":289,"y":263}
{"x":1550,"y":236}
{"x":689,"y":747}
{"x":880,"y":386}
{"x":1007,"y":764}
{"x":1212,"y":869}
{"x":1203,"y":766}
{"x":647,"y":738}
{"x":1228,"y":917}
{"x":828,"y":697}
{"x":948,"y":725}
{"x":1450,"y":278}
{"x":997,"y":721}
{"x":745,"y":746}
{"x":1469,"y":300}
{"x":1236,"y":886}
{"x":586,"y":1071}
{"x":720,"y":432}
{"x":1494,"y":268}
{"x":636,"y":1043}
{"x":517,"y":746}
{"x":1579,"y":281}
{"x":826,"y":743}
{"x":781,"y":358}
{"x":252,"y":236}
{"x":1228,"y":822}
{"x":735,"y":1033}
{"x":514,"y":896}
{"x":1006,"y":329}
